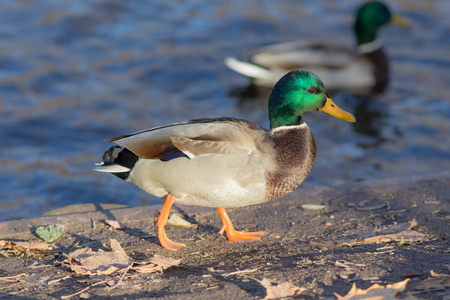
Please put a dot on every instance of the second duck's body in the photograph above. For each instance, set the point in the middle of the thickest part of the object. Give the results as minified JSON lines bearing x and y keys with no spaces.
{"x":364,"y":71}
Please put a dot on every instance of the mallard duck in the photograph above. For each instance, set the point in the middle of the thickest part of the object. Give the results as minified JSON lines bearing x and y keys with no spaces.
{"x":226,"y":162}
{"x":365,"y":71}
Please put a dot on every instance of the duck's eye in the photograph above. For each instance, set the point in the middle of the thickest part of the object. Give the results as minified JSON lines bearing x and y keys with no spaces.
{"x":312,"y":91}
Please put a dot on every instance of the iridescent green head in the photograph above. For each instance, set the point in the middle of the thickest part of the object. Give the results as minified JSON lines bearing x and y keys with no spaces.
{"x":297,"y":92}
{"x":372,"y":16}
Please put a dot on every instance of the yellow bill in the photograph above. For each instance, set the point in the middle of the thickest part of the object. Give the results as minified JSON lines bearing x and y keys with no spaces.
{"x":333,"y":110}
{"x":399,"y":20}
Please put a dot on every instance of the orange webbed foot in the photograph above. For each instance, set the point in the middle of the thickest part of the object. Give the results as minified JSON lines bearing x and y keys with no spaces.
{"x":166,"y":242}
{"x":162,"y":220}
{"x":241,"y":236}
{"x":234,"y":235}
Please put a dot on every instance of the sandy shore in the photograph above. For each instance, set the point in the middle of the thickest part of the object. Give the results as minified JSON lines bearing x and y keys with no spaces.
{"x":373,"y":232}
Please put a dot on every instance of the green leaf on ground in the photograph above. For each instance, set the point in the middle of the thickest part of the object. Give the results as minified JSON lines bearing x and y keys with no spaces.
{"x":313,"y":206}
{"x":50,"y":233}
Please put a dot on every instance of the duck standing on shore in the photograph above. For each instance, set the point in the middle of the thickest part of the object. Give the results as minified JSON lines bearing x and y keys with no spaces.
{"x":226,"y":162}
{"x":364,"y":71}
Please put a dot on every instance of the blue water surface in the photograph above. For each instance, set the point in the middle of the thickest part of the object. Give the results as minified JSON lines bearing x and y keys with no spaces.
{"x":73,"y":73}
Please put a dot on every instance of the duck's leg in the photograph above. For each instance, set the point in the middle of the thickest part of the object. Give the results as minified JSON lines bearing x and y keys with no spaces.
{"x":234,"y":235}
{"x":162,"y":220}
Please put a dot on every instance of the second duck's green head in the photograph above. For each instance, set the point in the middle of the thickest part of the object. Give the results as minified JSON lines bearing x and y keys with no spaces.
{"x":370,"y":17}
{"x":297,"y":92}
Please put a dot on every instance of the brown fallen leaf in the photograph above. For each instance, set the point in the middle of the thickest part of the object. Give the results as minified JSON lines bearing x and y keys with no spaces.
{"x":376,"y":291}
{"x":438,"y":282}
{"x":115,"y":247}
{"x":96,"y":263}
{"x":390,"y":233}
{"x":282,"y":290}
{"x":414,"y":224}
{"x":25,"y":246}
{"x":115,"y":224}
{"x":434,"y":274}
{"x":177,"y":220}
{"x":85,"y":261}
{"x":157,"y":263}
{"x":407,"y":235}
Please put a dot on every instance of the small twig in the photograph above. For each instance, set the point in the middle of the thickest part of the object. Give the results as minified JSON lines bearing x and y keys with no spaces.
{"x":83,"y":290}
{"x":40,"y":266}
{"x":8,"y":278}
{"x":239,"y":272}
{"x":322,"y":244}
{"x":9,"y":286}
{"x":76,"y":244}
{"x":349,"y":266}
{"x":121,"y":277}
{"x":55,"y":281}
{"x":372,"y":207}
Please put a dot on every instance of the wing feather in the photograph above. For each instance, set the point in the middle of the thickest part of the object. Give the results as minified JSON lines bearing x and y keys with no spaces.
{"x":218,"y":135}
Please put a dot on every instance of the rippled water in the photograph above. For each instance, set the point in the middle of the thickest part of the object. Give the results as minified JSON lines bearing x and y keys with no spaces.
{"x":73,"y":73}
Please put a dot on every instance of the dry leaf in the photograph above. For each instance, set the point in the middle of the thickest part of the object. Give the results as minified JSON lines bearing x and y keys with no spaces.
{"x":178,"y":220}
{"x":438,"y":282}
{"x":114,"y":224}
{"x":24,"y":247}
{"x":115,"y":247}
{"x":157,"y":263}
{"x":85,"y":261}
{"x":165,"y":262}
{"x":414,"y":224}
{"x":434,"y":274}
{"x":376,"y":291}
{"x":407,"y":235}
{"x":282,"y":290}
{"x":88,"y":262}
{"x":401,"y":232}
{"x":97,"y":263}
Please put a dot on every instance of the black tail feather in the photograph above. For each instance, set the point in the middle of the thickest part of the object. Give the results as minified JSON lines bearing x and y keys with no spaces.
{"x":117,"y":155}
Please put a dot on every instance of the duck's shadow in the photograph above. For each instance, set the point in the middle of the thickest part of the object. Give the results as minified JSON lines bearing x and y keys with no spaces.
{"x":249,"y":93}
{"x":374,"y":121}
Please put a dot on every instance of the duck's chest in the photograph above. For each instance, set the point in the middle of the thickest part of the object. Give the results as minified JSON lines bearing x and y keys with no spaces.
{"x":295,"y":153}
